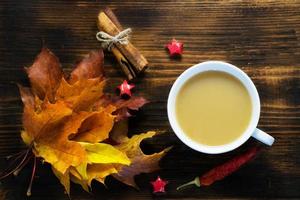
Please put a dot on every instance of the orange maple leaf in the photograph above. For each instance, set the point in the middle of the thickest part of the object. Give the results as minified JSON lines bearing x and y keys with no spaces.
{"x":55,"y":110}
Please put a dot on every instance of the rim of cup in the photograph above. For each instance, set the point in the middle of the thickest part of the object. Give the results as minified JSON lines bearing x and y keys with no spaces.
{"x":219,"y":66}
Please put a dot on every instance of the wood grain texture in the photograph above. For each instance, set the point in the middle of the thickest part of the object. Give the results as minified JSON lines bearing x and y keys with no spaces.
{"x":261,"y":37}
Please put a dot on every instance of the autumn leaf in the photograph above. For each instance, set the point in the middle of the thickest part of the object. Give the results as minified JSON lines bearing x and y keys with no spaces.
{"x":140,"y":163}
{"x":75,"y":177}
{"x":134,"y":103}
{"x":55,"y":120}
{"x":90,"y":67}
{"x":82,"y":94}
{"x":45,"y":74}
{"x":26,"y":138}
{"x":96,"y":127}
{"x":99,"y":172}
{"x":123,"y":106}
{"x":26,"y":96}
{"x":104,"y":153}
{"x":60,"y":118}
{"x":96,"y":172}
{"x":119,"y":131}
{"x":81,"y":131}
{"x":62,"y":152}
{"x":100,"y":160}
{"x":64,"y":179}
{"x":48,"y":115}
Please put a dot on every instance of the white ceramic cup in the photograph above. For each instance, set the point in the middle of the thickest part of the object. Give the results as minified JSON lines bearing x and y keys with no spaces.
{"x":245,"y":80}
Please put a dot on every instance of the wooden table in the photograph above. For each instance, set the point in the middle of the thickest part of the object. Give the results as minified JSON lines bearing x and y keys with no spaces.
{"x":261,"y":37}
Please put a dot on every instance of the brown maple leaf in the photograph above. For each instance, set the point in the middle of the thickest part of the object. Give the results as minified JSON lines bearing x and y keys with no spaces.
{"x":140,"y":163}
{"x":89,"y":67}
{"x":45,"y":74}
{"x":123,"y":106}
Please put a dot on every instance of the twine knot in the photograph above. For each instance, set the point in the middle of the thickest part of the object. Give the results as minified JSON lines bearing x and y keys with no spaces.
{"x":107,"y":41}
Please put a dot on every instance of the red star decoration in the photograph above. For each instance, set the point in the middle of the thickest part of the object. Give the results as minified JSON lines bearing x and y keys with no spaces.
{"x":159,"y":185}
{"x":175,"y":47}
{"x":125,"y":88}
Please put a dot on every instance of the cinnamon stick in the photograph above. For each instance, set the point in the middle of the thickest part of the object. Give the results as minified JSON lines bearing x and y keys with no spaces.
{"x":132,"y":62}
{"x":113,"y":18}
{"x":125,"y":65}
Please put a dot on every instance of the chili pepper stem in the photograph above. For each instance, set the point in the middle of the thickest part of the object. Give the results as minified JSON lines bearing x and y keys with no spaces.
{"x":196,"y":182}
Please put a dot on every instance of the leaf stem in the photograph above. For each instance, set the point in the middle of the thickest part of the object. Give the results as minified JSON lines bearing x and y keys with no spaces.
{"x":14,"y":161}
{"x":18,"y":154}
{"x":17,"y":171}
{"x":18,"y":166}
{"x":32,"y":177}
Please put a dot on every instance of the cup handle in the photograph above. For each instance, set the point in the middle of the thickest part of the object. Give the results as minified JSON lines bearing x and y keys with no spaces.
{"x":263,"y":137}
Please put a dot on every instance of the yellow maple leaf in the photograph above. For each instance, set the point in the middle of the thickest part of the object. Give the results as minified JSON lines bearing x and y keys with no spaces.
{"x":101,"y":158}
{"x":64,"y":179}
{"x":76,"y":178}
{"x":99,"y":172}
{"x":104,"y":153}
{"x":96,"y":172}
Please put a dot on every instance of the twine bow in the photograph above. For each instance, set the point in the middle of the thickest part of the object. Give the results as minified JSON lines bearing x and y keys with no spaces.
{"x":107,"y":41}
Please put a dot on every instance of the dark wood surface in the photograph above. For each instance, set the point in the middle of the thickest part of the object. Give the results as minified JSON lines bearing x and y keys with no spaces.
{"x":261,"y":37}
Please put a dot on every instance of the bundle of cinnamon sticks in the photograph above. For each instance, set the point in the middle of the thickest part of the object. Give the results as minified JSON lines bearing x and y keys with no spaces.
{"x":132,"y":62}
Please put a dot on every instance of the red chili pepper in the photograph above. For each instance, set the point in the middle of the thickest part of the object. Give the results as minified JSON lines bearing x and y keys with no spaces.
{"x":221,"y":171}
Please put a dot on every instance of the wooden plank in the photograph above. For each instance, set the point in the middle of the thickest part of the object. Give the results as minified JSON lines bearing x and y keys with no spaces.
{"x":260,"y":37}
